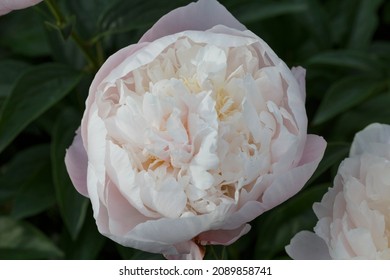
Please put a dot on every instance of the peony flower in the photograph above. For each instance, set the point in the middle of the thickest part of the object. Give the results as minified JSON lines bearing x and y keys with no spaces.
{"x":7,"y":6}
{"x":190,"y":134}
{"x":354,"y":215}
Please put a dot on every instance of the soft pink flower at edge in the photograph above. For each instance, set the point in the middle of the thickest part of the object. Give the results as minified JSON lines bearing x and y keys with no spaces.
{"x":7,"y":6}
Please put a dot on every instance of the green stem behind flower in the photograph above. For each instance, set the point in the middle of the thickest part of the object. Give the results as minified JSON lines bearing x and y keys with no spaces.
{"x":61,"y":21}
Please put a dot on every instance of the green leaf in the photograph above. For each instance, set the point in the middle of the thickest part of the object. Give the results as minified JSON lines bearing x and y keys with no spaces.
{"x":334,"y":154}
{"x":134,"y":254}
{"x":261,"y":10}
{"x":352,"y":59}
{"x":31,"y":163}
{"x":36,"y":91}
{"x":33,"y":192}
{"x":344,"y":95}
{"x":364,"y":25}
{"x":20,"y":240}
{"x":73,"y":206}
{"x":10,"y":70}
{"x":64,"y":51}
{"x":315,"y":21}
{"x":87,"y":14}
{"x":374,"y":110}
{"x":353,"y":22}
{"x":88,"y":244}
{"x":22,"y":32}
{"x":279,"y":225}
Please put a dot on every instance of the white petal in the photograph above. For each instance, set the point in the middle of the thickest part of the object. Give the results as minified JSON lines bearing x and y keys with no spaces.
{"x":307,"y":246}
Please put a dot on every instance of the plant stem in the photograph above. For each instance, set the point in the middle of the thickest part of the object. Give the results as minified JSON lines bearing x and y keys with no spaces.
{"x":82,"y":45}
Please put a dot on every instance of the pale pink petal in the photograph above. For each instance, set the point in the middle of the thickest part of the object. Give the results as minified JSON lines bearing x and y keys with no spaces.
{"x":286,"y":185}
{"x":307,"y":245}
{"x":201,"y":15}
{"x":300,"y":74}
{"x":123,"y":216}
{"x":109,"y":65}
{"x":158,"y":235}
{"x":7,"y":6}
{"x":249,"y":211}
{"x":187,"y":251}
{"x":223,"y":237}
{"x":76,"y":161}
{"x":374,"y":139}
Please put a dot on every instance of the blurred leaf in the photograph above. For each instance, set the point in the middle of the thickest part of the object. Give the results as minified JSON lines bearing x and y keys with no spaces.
{"x":64,"y":51}
{"x":315,"y":21}
{"x":23,"y":34}
{"x":279,"y":225}
{"x":365,"y":23}
{"x":334,"y":154}
{"x":28,"y":162}
{"x":88,"y":243}
{"x":381,"y":49}
{"x":36,"y":91}
{"x":73,"y":206}
{"x":20,"y":240}
{"x":9,"y":71}
{"x":33,"y":192}
{"x":353,"y":22}
{"x":87,"y":14}
{"x":260,"y":10}
{"x":353,"y":59}
{"x":65,"y":29}
{"x":134,"y":254}
{"x":374,"y":110}
{"x":344,"y":95}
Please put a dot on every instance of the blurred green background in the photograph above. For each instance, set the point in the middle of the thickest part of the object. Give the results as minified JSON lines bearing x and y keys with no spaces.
{"x":44,"y":80}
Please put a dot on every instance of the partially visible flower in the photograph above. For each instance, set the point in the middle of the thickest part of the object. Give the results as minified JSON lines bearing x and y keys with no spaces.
{"x":7,"y":6}
{"x":191,"y":134}
{"x":354,"y":215}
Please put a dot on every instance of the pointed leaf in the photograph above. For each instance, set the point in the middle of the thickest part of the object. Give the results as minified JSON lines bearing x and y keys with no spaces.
{"x":35,"y":92}
{"x":33,"y":192}
{"x":88,"y":244}
{"x":365,"y":23}
{"x":344,"y":95}
{"x":355,"y":60}
{"x":20,"y":240}
{"x":9,"y":72}
{"x":72,"y":205}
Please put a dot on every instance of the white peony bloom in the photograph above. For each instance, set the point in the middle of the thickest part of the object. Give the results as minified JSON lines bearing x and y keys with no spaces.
{"x":192,"y":133}
{"x":354,"y":216}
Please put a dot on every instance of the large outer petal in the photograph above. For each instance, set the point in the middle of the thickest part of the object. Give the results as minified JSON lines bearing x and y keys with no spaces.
{"x":157,"y":235}
{"x":201,"y":15}
{"x":76,"y":161}
{"x":306,"y":245}
{"x":7,"y":6}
